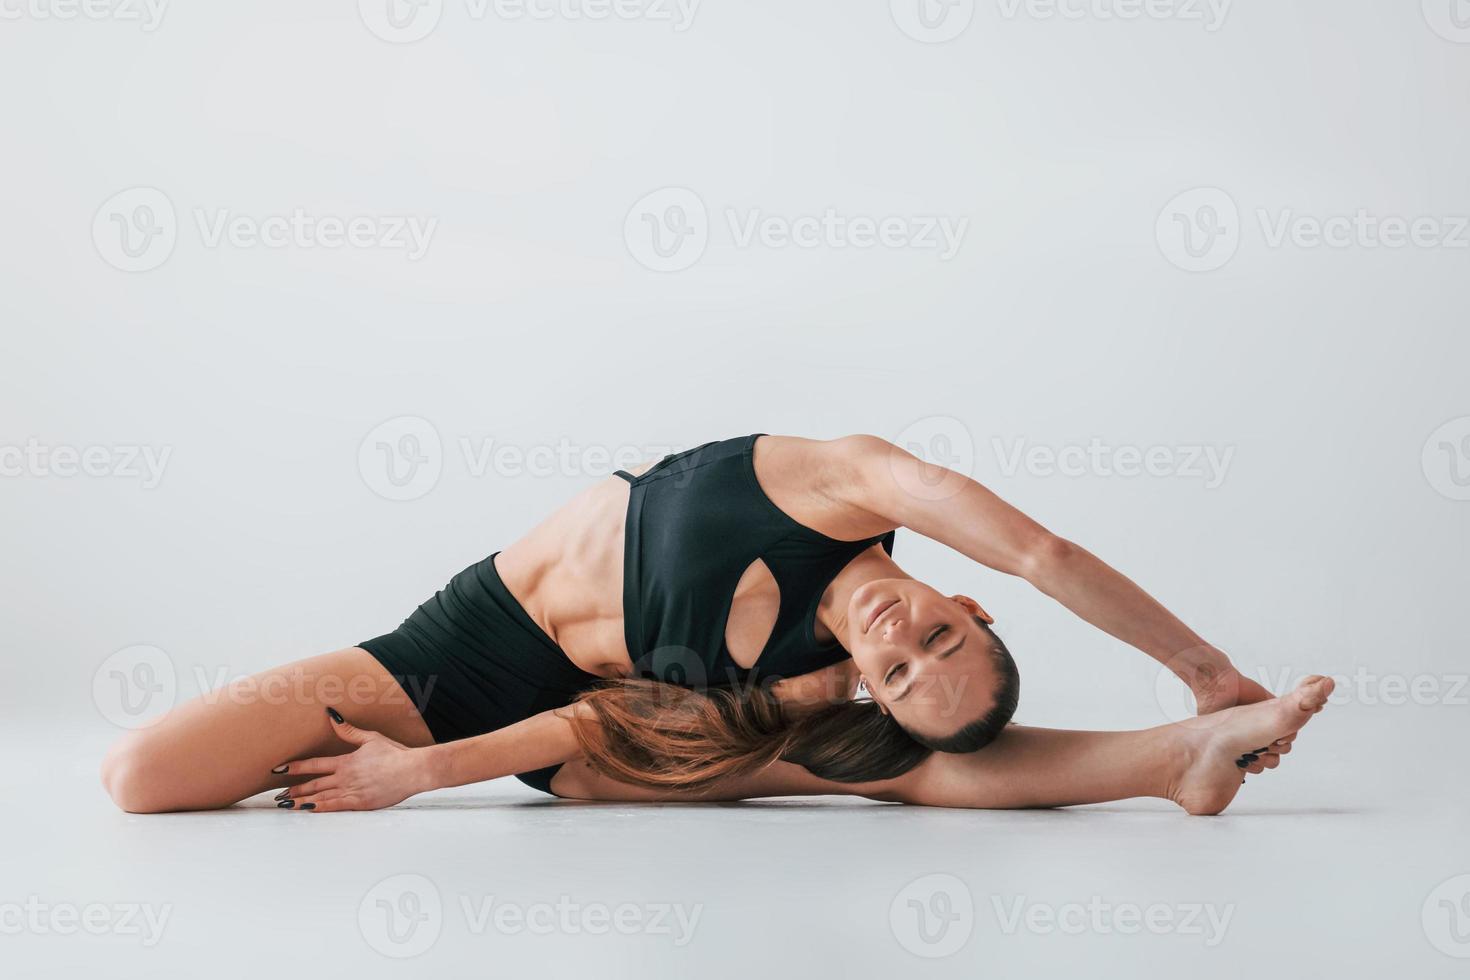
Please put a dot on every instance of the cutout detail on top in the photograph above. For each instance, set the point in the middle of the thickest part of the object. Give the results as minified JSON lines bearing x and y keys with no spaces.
{"x":753,"y":612}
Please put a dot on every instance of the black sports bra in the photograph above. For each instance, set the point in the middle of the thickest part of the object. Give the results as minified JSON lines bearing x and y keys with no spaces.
{"x":696,"y":521}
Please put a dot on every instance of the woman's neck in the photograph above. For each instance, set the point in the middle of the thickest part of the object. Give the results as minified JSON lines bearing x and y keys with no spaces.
{"x":870,"y":566}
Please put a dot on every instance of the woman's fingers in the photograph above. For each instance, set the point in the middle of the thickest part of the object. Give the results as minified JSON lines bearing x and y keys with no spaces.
{"x":326,"y":802}
{"x":347,"y":731}
{"x":309,"y":767}
{"x":344,"y":730}
{"x":303,"y":790}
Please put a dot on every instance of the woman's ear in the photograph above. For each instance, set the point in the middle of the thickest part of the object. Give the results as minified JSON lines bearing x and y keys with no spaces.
{"x":974,"y":608}
{"x":864,"y":688}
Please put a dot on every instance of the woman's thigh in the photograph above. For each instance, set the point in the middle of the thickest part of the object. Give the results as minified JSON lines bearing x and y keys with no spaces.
{"x":220,"y":747}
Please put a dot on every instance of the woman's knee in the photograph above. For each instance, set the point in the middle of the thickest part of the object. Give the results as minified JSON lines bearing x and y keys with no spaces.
{"x":135,"y":774}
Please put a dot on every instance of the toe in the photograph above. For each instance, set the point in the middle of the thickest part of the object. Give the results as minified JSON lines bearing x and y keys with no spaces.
{"x":1313,"y":692}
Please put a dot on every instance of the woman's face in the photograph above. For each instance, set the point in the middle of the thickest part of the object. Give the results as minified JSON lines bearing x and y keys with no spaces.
{"x":922,"y":656}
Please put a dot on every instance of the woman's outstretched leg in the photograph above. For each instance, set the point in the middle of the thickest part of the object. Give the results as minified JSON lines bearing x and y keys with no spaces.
{"x":220,"y":747}
{"x":1192,"y":763}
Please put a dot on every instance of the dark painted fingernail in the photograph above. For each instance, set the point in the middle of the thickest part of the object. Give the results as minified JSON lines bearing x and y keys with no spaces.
{"x":308,"y":806}
{"x":1250,"y":757}
{"x":285,"y":804}
{"x":283,"y":794}
{"x":1261,"y":750}
{"x":1241,"y":763}
{"x":334,"y":715}
{"x":279,"y":769}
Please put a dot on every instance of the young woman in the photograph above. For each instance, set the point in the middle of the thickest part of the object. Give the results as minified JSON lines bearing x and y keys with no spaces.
{"x":699,"y":630}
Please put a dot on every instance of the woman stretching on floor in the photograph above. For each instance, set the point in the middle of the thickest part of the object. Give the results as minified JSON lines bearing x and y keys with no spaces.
{"x":698,"y":631}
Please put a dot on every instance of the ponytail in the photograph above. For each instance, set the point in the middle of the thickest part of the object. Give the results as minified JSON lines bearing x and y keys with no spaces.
{"x":661,"y":736}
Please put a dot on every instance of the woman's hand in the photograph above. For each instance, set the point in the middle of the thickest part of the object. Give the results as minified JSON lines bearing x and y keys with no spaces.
{"x":379,"y":772}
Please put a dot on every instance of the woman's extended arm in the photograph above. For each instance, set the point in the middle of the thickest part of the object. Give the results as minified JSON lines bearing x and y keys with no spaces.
{"x":541,"y":740}
{"x":957,"y":511}
{"x":381,"y":772}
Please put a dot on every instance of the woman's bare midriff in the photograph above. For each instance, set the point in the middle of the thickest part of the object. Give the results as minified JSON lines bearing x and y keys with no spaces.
{"x":567,"y":573}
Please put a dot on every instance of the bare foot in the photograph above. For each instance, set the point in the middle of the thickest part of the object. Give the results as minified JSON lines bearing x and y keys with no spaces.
{"x":1210,"y":776}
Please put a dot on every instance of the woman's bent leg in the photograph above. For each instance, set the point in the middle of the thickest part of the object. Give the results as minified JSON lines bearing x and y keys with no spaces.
{"x":220,"y":747}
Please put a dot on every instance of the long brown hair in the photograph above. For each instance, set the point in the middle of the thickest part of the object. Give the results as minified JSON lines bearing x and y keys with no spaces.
{"x":662,"y":736}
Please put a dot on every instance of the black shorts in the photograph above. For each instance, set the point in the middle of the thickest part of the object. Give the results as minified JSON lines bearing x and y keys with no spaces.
{"x":473,"y":661}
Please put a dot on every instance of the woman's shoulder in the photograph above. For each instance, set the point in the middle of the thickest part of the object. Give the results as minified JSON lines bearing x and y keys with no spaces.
{"x":828,"y":485}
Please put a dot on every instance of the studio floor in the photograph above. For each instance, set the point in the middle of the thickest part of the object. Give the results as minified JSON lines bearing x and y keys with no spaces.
{"x":1337,"y":868}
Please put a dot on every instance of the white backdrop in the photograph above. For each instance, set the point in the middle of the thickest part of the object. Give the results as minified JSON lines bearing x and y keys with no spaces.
{"x":1221,"y":245}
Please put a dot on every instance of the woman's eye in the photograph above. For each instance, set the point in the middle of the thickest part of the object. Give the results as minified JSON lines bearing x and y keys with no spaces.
{"x":938,"y":632}
{"x":893,"y":672}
